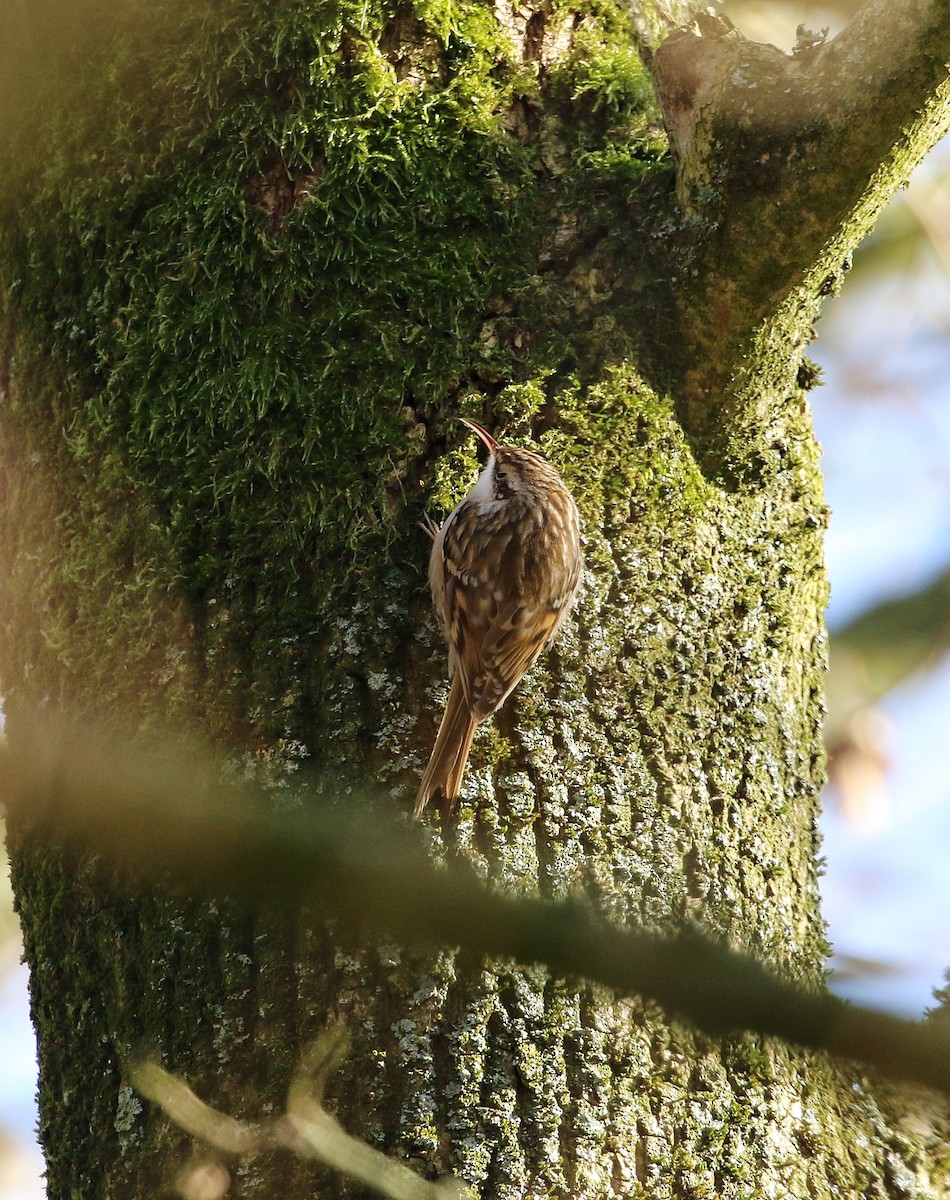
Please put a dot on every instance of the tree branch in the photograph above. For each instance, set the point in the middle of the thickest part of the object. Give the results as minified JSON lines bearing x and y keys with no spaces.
{"x":162,"y":820}
{"x":783,"y":162}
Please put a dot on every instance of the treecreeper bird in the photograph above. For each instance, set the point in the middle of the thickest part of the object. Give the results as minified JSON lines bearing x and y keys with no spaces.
{"x":504,"y":571}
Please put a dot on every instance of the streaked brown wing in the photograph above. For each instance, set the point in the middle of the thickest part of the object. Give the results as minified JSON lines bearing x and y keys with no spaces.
{"x":469,"y":606}
{"x":510,"y":646}
{"x":473,"y":611}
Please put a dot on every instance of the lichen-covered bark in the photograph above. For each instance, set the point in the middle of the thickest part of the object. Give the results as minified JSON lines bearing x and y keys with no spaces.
{"x":233,"y":343}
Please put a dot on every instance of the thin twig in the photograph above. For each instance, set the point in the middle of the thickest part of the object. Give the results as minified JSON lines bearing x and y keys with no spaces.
{"x":306,"y":1129}
{"x":176,"y":1098}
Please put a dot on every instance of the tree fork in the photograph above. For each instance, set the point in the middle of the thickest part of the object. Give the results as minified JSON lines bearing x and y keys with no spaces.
{"x":783,"y":163}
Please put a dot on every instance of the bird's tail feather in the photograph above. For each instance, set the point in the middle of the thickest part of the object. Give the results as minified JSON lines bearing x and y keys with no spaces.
{"x":450,"y":752}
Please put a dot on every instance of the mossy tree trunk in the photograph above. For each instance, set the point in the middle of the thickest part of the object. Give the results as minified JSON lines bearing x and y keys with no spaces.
{"x":252,"y":271}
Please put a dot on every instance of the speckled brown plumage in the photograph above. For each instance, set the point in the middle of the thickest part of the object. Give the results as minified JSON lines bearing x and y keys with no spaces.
{"x":504,"y":570}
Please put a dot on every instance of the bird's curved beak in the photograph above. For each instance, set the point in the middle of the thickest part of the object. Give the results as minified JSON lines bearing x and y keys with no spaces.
{"x":485,"y":436}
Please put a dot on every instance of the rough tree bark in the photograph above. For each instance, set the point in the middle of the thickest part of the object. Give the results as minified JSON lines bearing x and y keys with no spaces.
{"x":252,"y":269}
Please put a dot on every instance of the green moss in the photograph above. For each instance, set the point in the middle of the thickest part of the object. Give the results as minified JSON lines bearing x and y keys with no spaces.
{"x":612,"y":432}
{"x":261,"y":296}
{"x":612,"y":127}
{"x":610,"y":74}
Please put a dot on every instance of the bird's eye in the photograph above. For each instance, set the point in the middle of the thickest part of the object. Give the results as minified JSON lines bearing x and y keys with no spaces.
{"x":501,"y":475}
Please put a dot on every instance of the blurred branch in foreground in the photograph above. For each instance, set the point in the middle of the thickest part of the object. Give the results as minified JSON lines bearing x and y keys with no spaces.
{"x":876,"y":652}
{"x":306,"y":1129}
{"x":886,"y":645}
{"x":163,"y":820}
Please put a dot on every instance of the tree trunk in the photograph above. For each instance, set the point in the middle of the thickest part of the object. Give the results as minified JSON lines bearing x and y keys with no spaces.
{"x":252,"y":271}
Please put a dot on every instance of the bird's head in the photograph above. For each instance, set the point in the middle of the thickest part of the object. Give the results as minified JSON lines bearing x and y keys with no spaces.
{"x":510,"y":470}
